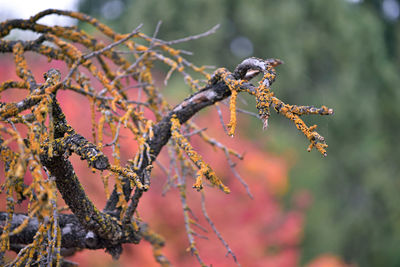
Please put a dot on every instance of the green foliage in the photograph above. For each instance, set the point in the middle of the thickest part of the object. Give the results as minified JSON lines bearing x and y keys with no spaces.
{"x":341,"y":54}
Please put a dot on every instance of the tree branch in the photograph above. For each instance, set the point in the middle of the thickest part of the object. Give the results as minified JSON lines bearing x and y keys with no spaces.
{"x":162,"y":130}
{"x":49,"y":141}
{"x":74,"y":234}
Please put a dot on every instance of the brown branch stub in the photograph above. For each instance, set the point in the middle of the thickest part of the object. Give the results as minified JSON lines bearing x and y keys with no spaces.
{"x":86,"y":150}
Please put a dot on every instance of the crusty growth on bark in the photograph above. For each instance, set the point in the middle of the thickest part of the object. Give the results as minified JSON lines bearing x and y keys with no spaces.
{"x":43,"y":235}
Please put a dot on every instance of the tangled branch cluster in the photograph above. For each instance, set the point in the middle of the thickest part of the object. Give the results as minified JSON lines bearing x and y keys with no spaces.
{"x":44,"y":234}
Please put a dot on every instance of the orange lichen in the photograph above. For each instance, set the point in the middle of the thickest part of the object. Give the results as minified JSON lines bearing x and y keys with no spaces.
{"x":129,"y":174}
{"x":265,"y":98}
{"x":232,"y":107}
{"x":13,"y":84}
{"x":46,"y":139}
{"x":204,"y":168}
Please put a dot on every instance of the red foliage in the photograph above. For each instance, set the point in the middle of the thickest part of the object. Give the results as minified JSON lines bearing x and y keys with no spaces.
{"x":261,"y":231}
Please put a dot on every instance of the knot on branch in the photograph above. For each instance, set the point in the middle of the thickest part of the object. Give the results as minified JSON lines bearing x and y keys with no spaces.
{"x":86,"y":150}
{"x":52,"y":77}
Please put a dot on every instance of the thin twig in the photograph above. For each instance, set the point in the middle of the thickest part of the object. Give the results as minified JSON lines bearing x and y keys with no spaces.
{"x":210,"y":222}
{"x":186,"y":209}
{"x":83,"y":58}
{"x":116,"y":135}
{"x":132,"y":66}
{"x":221,"y":119}
{"x":164,"y":169}
{"x":236,"y":174}
{"x":181,"y":51}
{"x":194,"y":132}
{"x":244,"y":111}
{"x":248,"y":112}
{"x":133,"y":205}
{"x":110,"y":46}
{"x":104,"y":98}
{"x":192,"y":37}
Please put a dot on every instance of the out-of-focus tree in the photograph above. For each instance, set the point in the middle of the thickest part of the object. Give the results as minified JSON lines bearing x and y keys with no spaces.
{"x":345,"y":52}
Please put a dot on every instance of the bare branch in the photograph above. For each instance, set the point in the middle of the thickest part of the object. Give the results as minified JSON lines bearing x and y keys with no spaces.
{"x":210,"y":222}
{"x":42,"y":149}
{"x":192,"y":37}
{"x":110,"y":46}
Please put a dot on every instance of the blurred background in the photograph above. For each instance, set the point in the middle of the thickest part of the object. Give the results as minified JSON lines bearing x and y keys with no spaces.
{"x":344,"y":54}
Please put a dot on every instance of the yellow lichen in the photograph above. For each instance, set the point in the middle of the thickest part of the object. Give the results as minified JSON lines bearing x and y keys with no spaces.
{"x":232,"y":107}
{"x":35,"y":129}
{"x":204,"y":168}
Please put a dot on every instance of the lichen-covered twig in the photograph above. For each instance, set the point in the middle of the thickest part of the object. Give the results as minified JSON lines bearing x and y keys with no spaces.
{"x":204,"y":168}
{"x":158,"y":243}
{"x":265,"y":98}
{"x":43,"y":146}
{"x":181,"y":183}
